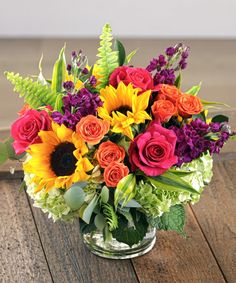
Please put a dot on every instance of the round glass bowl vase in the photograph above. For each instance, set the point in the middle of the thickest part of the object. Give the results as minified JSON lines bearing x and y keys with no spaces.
{"x":116,"y":250}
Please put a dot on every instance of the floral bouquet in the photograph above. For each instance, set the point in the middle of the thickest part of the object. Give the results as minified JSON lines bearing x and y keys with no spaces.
{"x":121,"y":148}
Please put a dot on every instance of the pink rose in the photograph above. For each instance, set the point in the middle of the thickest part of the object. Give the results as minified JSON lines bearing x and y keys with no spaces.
{"x":140,"y":78}
{"x":153,"y":151}
{"x":26,"y":128}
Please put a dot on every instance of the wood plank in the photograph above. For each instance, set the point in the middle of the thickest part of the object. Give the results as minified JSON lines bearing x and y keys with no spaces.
{"x":22,"y":257}
{"x":11,"y":170}
{"x":70,"y":260}
{"x":175,"y":259}
{"x":216,"y":214}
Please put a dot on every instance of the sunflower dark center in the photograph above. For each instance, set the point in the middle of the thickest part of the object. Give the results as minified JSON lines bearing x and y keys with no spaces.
{"x":63,"y":162}
{"x":123,"y":109}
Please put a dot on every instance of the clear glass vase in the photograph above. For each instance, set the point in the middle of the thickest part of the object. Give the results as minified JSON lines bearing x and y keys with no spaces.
{"x":117,"y":250}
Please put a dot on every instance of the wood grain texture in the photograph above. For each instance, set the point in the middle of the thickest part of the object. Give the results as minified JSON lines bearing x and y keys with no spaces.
{"x":71,"y":261}
{"x":7,"y":173}
{"x":21,"y":256}
{"x":216,"y":214}
{"x":175,"y":259}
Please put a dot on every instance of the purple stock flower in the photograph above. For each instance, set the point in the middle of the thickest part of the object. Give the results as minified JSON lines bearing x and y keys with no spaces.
{"x":166,"y":76}
{"x":152,"y":65}
{"x":69,"y":85}
{"x":85,"y":71}
{"x":76,"y":106}
{"x":92,"y":80}
{"x":170,"y":51}
{"x":69,"y":68}
{"x":196,"y":138}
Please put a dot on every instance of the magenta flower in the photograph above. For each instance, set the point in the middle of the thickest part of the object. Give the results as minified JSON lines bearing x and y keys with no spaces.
{"x":153,"y":151}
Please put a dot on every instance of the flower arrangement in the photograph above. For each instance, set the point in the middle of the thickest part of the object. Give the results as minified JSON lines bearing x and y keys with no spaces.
{"x":122,"y":148}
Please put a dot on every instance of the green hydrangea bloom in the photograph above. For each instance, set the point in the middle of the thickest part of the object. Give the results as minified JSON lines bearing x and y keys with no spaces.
{"x":155,"y":202}
{"x":52,"y":202}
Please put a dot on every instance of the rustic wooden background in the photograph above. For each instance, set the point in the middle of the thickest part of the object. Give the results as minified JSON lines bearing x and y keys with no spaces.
{"x":34,"y":249}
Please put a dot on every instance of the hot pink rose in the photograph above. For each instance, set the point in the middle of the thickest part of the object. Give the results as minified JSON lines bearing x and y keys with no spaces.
{"x":25,"y":129}
{"x":140,"y":78}
{"x":153,"y":151}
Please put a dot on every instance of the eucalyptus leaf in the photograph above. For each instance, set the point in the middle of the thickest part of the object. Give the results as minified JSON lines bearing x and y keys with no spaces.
{"x":104,"y":195}
{"x":87,"y":213}
{"x":100,"y":221}
{"x":75,"y":196}
{"x":131,"y":203}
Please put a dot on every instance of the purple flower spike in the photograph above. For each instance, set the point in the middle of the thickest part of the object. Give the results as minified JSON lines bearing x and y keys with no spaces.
{"x":170,"y":51}
{"x":85,"y":71}
{"x":76,"y":106}
{"x":92,"y":80}
{"x":69,"y":85}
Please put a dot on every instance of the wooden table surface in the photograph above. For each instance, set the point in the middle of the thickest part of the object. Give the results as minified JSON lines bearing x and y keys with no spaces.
{"x":34,"y":249}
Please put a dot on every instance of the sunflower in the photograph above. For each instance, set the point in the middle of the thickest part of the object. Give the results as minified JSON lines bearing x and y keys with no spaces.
{"x":59,"y":160}
{"x":123,"y":107}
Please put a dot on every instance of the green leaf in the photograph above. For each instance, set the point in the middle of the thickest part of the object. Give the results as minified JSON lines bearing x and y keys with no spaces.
{"x":170,"y":181}
{"x":208,"y":104}
{"x":125,"y":190}
{"x":118,"y":46}
{"x":59,"y":72}
{"x":86,"y":228}
{"x":180,"y":172}
{"x":130,"y":56}
{"x":87,"y":213}
{"x":100,"y":221}
{"x":220,"y":119}
{"x":108,"y":58}
{"x":41,"y":78}
{"x":23,"y":186}
{"x":201,"y":116}
{"x":178,"y":80}
{"x":75,"y":195}
{"x":35,"y":94}
{"x":131,"y":203}
{"x":128,"y":234}
{"x":173,"y":220}
{"x":10,"y":150}
{"x":194,"y":90}
{"x":110,"y":216}
{"x":104,"y":195}
{"x":3,"y":153}
{"x":59,"y":102}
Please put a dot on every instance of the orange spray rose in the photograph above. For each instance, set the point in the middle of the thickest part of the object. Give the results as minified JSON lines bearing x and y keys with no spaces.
{"x":114,"y":172}
{"x":92,"y":129}
{"x":163,"y":110}
{"x":109,"y":152}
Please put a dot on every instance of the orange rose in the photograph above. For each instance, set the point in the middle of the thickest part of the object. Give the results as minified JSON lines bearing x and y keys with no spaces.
{"x":114,"y":172}
{"x":163,"y":110}
{"x":92,"y":129}
{"x":109,"y":152}
{"x":189,"y":105}
{"x":169,"y":92}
